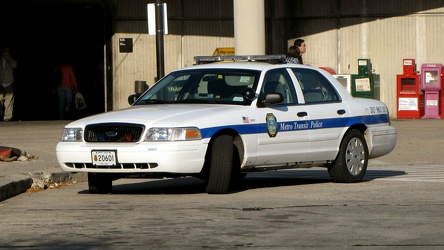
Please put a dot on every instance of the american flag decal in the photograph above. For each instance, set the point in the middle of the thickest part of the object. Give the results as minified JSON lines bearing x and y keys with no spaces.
{"x":245,"y":119}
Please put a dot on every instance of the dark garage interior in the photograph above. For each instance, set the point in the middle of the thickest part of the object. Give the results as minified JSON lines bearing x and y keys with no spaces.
{"x":41,"y":33}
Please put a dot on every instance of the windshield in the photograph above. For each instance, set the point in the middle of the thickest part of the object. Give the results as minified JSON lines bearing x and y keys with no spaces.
{"x":202,"y":86}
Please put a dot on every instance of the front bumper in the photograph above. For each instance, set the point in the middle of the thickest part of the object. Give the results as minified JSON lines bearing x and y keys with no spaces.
{"x":158,"y":157}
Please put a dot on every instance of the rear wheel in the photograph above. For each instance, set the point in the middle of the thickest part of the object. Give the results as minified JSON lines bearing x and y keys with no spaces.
{"x":100,"y":183}
{"x":221,"y":165}
{"x":351,"y":163}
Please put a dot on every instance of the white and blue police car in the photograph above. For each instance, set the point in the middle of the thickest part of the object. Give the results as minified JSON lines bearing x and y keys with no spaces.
{"x":227,"y":116}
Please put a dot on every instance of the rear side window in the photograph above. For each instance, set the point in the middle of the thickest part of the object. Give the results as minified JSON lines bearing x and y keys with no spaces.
{"x":315,"y":86}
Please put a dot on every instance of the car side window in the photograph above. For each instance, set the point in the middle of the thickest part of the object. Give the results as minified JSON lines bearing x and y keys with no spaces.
{"x":315,"y":86}
{"x":279,"y":81}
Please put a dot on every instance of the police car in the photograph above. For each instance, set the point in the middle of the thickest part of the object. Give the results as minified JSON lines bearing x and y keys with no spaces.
{"x":227,"y":116}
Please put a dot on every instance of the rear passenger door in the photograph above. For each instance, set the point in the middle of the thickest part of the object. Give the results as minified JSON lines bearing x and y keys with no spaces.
{"x":326,"y":113}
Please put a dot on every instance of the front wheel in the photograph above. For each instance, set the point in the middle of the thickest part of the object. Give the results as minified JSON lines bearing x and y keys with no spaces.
{"x":351,"y":163}
{"x":221,"y":165}
{"x":100,"y":183}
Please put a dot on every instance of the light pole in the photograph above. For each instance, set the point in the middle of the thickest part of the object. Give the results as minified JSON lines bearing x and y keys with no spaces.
{"x":159,"y":40}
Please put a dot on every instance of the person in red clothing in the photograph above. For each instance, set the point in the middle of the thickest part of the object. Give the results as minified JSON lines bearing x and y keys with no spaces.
{"x":66,"y":86}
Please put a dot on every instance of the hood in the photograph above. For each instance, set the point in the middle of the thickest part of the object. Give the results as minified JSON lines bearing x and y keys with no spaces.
{"x":161,"y":115}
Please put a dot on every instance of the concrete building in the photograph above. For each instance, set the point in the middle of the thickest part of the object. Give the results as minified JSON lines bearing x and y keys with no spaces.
{"x":110,"y":49}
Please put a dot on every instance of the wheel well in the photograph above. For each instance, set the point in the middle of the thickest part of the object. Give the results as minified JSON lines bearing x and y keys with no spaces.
{"x":367,"y":136}
{"x":238,"y":151}
{"x":360,"y":127}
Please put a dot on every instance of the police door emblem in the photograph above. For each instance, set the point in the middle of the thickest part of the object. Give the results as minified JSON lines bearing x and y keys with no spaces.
{"x":271,"y":125}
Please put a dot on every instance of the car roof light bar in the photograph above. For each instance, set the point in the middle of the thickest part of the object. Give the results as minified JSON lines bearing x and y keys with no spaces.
{"x":263,"y":58}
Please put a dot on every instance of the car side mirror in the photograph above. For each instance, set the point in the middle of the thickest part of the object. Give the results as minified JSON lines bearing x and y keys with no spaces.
{"x":270,"y":99}
{"x":273,"y":98}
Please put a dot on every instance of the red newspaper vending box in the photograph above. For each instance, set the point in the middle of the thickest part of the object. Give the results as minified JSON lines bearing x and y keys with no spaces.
{"x":410,"y":101}
{"x":431,"y":78}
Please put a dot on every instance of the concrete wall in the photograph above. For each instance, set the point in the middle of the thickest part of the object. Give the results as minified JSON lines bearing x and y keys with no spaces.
{"x":384,"y":31}
{"x":337,"y":33}
{"x":196,"y":27}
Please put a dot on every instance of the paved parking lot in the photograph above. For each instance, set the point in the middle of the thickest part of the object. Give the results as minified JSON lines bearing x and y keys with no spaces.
{"x":398,"y":205}
{"x":420,"y":145}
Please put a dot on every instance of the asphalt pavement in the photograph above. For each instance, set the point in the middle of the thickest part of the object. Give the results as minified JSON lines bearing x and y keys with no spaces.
{"x":420,"y":142}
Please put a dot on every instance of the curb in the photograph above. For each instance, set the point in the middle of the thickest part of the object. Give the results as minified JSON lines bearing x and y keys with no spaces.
{"x":13,"y":185}
{"x":16,"y":184}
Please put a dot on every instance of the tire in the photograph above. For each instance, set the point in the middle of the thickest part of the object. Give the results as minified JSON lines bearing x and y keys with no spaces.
{"x":351,"y":163}
{"x":100,"y":183}
{"x":221,"y":165}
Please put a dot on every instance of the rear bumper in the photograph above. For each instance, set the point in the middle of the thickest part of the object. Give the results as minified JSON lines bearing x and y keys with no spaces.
{"x":381,"y":140}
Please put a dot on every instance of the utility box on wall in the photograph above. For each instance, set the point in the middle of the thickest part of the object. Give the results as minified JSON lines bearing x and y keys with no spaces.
{"x":365,"y":84}
{"x":410,"y":100}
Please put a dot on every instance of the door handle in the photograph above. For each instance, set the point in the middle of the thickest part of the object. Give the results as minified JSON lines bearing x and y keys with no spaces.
{"x":302,"y":114}
{"x":341,"y":112}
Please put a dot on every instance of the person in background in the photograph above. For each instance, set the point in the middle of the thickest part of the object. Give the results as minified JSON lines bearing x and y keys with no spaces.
{"x":66,"y":86}
{"x":302,"y":46}
{"x":293,"y":54}
{"x":7,"y":66}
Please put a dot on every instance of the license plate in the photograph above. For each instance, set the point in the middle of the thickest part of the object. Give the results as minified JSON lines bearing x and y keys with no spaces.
{"x":104,"y":158}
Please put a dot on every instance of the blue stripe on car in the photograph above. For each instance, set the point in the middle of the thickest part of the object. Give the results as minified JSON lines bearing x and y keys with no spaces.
{"x":300,"y":125}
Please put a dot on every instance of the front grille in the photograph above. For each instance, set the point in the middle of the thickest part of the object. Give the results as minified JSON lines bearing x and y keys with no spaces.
{"x":114,"y":132}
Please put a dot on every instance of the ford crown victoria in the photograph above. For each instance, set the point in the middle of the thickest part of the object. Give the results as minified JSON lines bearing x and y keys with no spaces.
{"x":220,"y":120}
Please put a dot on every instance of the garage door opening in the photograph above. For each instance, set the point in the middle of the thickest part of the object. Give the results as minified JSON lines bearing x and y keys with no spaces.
{"x":41,"y":33}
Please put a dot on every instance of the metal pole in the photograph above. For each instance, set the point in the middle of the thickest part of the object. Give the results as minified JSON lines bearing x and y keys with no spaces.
{"x":159,"y":40}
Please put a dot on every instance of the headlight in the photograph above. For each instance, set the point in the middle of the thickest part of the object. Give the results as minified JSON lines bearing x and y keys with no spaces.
{"x":173,"y":134}
{"x":72,"y":134}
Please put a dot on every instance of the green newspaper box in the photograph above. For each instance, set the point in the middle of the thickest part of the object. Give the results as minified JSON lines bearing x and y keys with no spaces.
{"x":365,"y":84}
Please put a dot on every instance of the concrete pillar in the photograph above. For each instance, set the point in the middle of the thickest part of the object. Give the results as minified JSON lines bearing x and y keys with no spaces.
{"x":249,"y":27}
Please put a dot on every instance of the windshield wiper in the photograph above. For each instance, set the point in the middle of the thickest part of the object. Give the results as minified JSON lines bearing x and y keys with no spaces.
{"x":151,"y":101}
{"x":195,"y":101}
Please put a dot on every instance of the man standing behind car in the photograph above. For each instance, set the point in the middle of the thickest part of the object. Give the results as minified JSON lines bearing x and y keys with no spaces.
{"x":7,"y":83}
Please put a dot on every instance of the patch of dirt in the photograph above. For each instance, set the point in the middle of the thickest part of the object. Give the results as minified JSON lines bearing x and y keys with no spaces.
{"x":36,"y":189}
